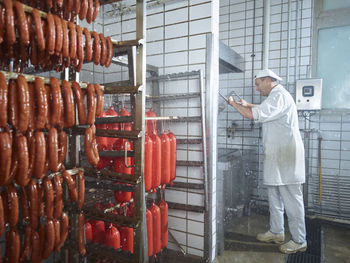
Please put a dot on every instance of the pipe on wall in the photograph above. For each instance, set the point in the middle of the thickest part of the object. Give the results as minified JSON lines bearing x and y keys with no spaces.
{"x":266,"y":34}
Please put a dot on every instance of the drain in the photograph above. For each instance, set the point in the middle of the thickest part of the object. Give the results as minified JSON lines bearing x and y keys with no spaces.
{"x":313,"y":252}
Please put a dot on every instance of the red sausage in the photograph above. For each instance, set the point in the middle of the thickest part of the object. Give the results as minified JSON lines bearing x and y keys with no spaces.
{"x":65,"y":40}
{"x":81,"y":189}
{"x":35,"y":256}
{"x":83,"y":9}
{"x":91,"y":104}
{"x":58,"y":197}
{"x":32,"y":189}
{"x":2,"y":216}
{"x":69,"y":108}
{"x":90,"y":11}
{"x":103,"y":58}
{"x":110,"y":52}
{"x":79,"y":98}
{"x":64,"y":230}
{"x":49,"y":239}
{"x":3,"y":101}
{"x":42,"y":104}
{"x":39,"y":29}
{"x":81,"y":241}
{"x":96,"y":48}
{"x":59,"y":35}
{"x":5,"y":157}
{"x":96,"y":10}
{"x":23,"y":103}
{"x":100,"y":100}
{"x":56,"y":101}
{"x":49,"y":196}
{"x":91,"y":146}
{"x":9,"y":22}
{"x":40,"y":155}
{"x":24,"y":201}
{"x":57,"y":226}
{"x":31,"y":116}
{"x":73,"y":194}
{"x":13,"y":103}
{"x":88,"y":44}
{"x":72,"y":40}
{"x":22,"y":23}
{"x":26,"y":244}
{"x":22,"y":177}
{"x":62,"y":146}
{"x":53,"y":150}
{"x":13,"y":206}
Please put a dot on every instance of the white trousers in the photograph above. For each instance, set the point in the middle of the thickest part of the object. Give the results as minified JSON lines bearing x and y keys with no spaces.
{"x":289,"y":197}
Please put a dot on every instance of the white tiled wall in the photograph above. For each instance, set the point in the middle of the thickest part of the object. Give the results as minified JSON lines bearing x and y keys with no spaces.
{"x":236,"y":29}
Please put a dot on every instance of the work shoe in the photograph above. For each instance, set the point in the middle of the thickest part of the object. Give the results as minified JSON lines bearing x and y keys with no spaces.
{"x":271,"y":237}
{"x":291,"y":247}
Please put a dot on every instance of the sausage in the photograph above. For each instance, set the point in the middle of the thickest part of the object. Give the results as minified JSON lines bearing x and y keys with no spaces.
{"x":49,"y":4}
{"x":53,"y":150}
{"x":5,"y":205}
{"x":22,"y":23}
{"x":3,"y":101}
{"x":12,"y":205}
{"x":110,"y":52}
{"x":65,"y":40}
{"x":42,"y":235}
{"x":79,"y":99}
{"x":81,"y":241}
{"x":57,"y":227}
{"x":100,"y":100}
{"x":90,"y":11}
{"x":83,"y":9}
{"x":2,"y":23}
{"x":76,"y":7}
{"x":49,"y":239}
{"x":56,"y":101}
{"x":5,"y":157}
{"x":80,"y":46}
{"x":96,"y":10}
{"x":40,"y":154}
{"x":59,"y":35}
{"x":88,"y":44}
{"x":64,"y":230}
{"x":41,"y":200}
{"x":91,"y":104}
{"x":32,"y":189}
{"x":31,"y":115}
{"x":62,"y":146}
{"x":26,"y":244}
{"x":72,"y":40}
{"x":24,"y":202}
{"x":50,"y":34}
{"x":73,"y":194}
{"x":9,"y":22}
{"x":41,"y":104}
{"x":103,"y":58}
{"x":14,"y":162}
{"x":69,"y":108}
{"x":81,"y":189}
{"x":13,"y":104}
{"x":23,"y":103}
{"x":31,"y":151}
{"x":35,"y":256}
{"x":38,"y":29}
{"x":96,"y":48}
{"x":13,"y":243}
{"x":33,"y":51}
{"x":49,"y":196}
{"x":91,"y":146}
{"x":68,"y":8}
{"x":58,"y":206}
{"x":22,"y":177}
{"x":2,"y":216}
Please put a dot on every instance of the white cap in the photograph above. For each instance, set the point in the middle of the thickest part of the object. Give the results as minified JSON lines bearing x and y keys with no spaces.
{"x":267,"y":73}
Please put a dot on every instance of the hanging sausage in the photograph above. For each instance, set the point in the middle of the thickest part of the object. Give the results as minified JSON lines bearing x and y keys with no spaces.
{"x":156,"y":217}
{"x":151,"y":125}
{"x":172,"y":140}
{"x":157,"y":161}
{"x":127,"y":239}
{"x":112,"y":237}
{"x":165,"y":158}
{"x":149,"y":222}
{"x":98,"y":231}
{"x":148,"y":169}
{"x":88,"y":232}
{"x":122,"y":196}
{"x":164,"y":222}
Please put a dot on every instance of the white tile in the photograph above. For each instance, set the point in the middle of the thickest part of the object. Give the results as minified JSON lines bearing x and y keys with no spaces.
{"x":155,"y":20}
{"x":177,"y":44}
{"x":178,"y":58}
{"x":154,"y":34}
{"x":128,"y":26}
{"x":200,"y":26}
{"x":198,"y":41}
{"x":154,"y":48}
{"x":177,"y":30}
{"x":195,"y":199}
{"x":155,"y":60}
{"x":197,"y":56}
{"x":200,"y":11}
{"x":195,"y":241}
{"x":176,"y":16}
{"x":129,"y":36}
{"x":175,"y":4}
{"x":177,"y":223}
{"x":195,"y":252}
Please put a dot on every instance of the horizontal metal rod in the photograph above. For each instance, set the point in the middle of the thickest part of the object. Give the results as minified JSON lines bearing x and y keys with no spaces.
{"x":114,"y":119}
{"x":109,"y":186}
{"x":173,"y":96}
{"x":115,"y":153}
{"x":122,"y":89}
{"x":186,"y":185}
{"x":189,"y":163}
{"x":193,"y":208}
{"x":93,"y":213}
{"x":189,"y":141}
{"x":110,"y":175}
{"x":174,"y":76}
{"x":133,"y":135}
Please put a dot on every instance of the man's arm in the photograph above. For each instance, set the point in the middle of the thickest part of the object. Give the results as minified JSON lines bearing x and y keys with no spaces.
{"x":244,"y":108}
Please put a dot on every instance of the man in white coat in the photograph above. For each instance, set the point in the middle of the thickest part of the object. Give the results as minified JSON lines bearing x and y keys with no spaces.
{"x":284,"y":165}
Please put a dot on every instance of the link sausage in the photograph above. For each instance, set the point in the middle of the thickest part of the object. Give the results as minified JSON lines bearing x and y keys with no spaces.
{"x":91,"y":104}
{"x":73,"y":194}
{"x":3,"y":101}
{"x":22,"y":177}
{"x":91,"y":146}
{"x":100,"y":100}
{"x":12,"y":205}
{"x":81,"y":189}
{"x":79,"y":99}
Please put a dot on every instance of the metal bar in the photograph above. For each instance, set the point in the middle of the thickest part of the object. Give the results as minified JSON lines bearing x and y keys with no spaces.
{"x":114,"y":119}
{"x":173,"y":96}
{"x":109,"y":186}
{"x":189,"y":163}
{"x":121,"y":89}
{"x":177,"y":243}
{"x":186,"y":185}
{"x":110,"y":175}
{"x":115,"y":153}
{"x":188,"y":141}
{"x":192,"y":208}
{"x":175,"y":118}
{"x":174,"y":76}
{"x":133,"y":135}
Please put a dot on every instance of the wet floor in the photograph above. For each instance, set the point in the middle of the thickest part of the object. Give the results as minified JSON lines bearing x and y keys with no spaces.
{"x":241,"y":245}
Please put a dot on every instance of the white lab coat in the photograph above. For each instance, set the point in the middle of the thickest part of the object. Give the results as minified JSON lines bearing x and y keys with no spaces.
{"x":284,"y":161}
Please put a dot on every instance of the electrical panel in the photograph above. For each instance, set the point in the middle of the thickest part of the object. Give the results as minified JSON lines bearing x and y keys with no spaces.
{"x":308,"y":94}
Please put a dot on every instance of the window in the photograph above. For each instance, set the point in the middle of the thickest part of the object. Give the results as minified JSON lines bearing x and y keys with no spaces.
{"x":332,"y":56}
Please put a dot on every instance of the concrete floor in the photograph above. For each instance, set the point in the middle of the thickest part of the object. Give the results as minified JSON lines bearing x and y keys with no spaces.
{"x":241,"y":245}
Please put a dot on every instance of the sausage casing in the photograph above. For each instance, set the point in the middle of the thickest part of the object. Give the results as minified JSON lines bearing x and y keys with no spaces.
{"x":56,"y":101}
{"x":38,"y":29}
{"x":50,"y":34}
{"x":110,"y":52}
{"x":5,"y":157}
{"x":22,"y":23}
{"x":49,"y":197}
{"x":23,"y":103}
{"x":88,"y":44}
{"x":79,"y":99}
{"x":96,"y":48}
{"x":49,"y":238}
{"x":9,"y":22}
{"x":53,"y":150}
{"x":100,"y":100}
{"x":91,"y":146}
{"x":3,"y":101}
{"x":91,"y":104}
{"x":81,"y":189}
{"x":58,"y":197}
{"x":32,"y":190}
{"x":13,"y":206}
{"x":69,"y":108}
{"x":73,"y":194}
{"x":81,"y":241}
{"x":22,"y":177}
{"x":40,"y":155}
{"x":42,"y":104}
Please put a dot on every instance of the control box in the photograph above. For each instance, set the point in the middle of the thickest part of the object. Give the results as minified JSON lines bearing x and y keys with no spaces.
{"x":308,"y":94}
